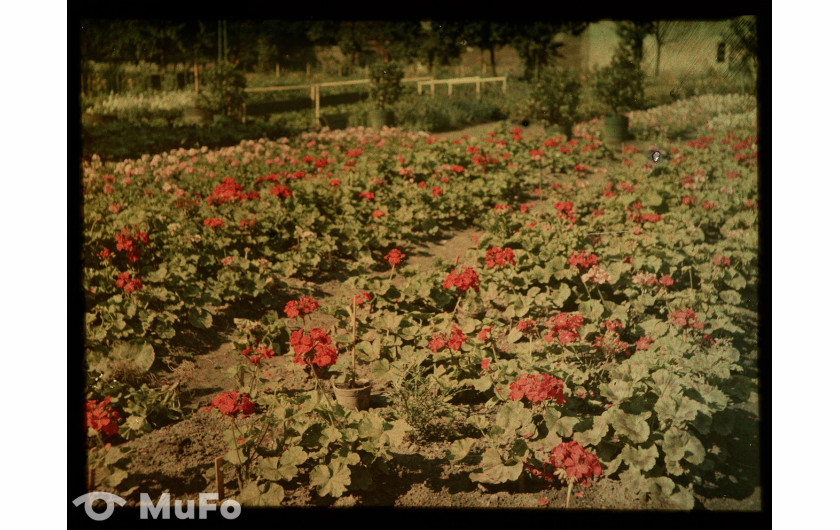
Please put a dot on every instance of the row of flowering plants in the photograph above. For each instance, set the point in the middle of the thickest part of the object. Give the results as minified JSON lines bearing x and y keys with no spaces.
{"x":598,"y":317}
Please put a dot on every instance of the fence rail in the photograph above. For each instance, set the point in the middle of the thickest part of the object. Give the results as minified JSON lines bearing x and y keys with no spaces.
{"x":315,"y":88}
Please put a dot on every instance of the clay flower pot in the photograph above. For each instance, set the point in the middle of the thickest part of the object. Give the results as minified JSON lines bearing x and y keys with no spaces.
{"x":353,"y":398}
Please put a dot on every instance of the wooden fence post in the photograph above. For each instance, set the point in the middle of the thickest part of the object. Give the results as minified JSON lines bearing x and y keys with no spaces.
{"x":318,"y":103}
{"x":276,"y":70}
{"x":419,"y":88}
{"x":220,"y":479}
{"x":450,"y":87}
{"x":312,"y":92}
{"x":432,"y":85}
{"x":477,"y":88}
{"x":504,"y":85}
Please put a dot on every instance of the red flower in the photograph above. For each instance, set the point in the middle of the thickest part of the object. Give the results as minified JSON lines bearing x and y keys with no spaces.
{"x":666,"y":281}
{"x":566,"y":210}
{"x":498,"y":257}
{"x":281,"y":191}
{"x":456,"y":338}
{"x":317,"y":340}
{"x":527,"y":326}
{"x":580,"y":167}
{"x":366,"y":195}
{"x":436,"y":343}
{"x":689,"y":200}
{"x":456,"y":169}
{"x":578,"y":463}
{"x":485,"y":364}
{"x":537,"y":388}
{"x":129,"y":242}
{"x":643,"y":343}
{"x":582,"y":259}
{"x":484,"y":333}
{"x":468,"y":278}
{"x":101,"y":417}
{"x":613,"y":325}
{"x":686,"y":317}
{"x":394,"y":257}
{"x":233,"y":403}
{"x":360,"y":299}
{"x":129,"y":285}
{"x":436,"y":192}
{"x":214,"y":223}
{"x":721,"y":261}
{"x":378,"y":213}
{"x":105,"y":253}
{"x":563,"y":327}
{"x":335,"y":183}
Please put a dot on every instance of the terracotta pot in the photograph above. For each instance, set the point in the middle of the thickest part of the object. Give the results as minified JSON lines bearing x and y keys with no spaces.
{"x":353,"y":398}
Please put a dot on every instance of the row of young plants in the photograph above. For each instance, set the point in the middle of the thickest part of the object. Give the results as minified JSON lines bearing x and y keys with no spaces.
{"x":570,"y":404}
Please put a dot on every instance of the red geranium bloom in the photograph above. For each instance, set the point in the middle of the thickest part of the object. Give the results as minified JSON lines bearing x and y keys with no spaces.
{"x":366,"y":195}
{"x":582,"y":259}
{"x":281,"y":191}
{"x":233,"y":403}
{"x":394,"y":257}
{"x":666,"y":281}
{"x":360,"y":299}
{"x":686,"y":317}
{"x":463,"y":281}
{"x":129,"y":285}
{"x":436,"y":343}
{"x":579,"y":464}
{"x":304,"y":305}
{"x":563,"y":327}
{"x":378,"y":213}
{"x":484,"y":333}
{"x":317,"y":340}
{"x":537,"y":388}
{"x":485,"y":364}
{"x":128,"y":242}
{"x":498,"y":257}
{"x":214,"y":223}
{"x":101,"y":417}
{"x":643,"y":343}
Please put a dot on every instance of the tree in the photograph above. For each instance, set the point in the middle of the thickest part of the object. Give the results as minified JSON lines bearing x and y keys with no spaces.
{"x":661,"y":31}
{"x":631,"y":35}
{"x":537,"y":45}
{"x":440,"y":42}
{"x":742,"y":38}
{"x":488,"y":35}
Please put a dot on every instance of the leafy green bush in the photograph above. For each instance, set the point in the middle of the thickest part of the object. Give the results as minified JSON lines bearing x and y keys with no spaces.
{"x":620,"y":85}
{"x":224,"y":90}
{"x":555,"y":97}
{"x":385,"y":84}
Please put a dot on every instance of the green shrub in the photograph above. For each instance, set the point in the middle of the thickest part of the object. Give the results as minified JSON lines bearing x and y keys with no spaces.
{"x":385,"y":84}
{"x":223,"y":91}
{"x":620,"y":85}
{"x":555,"y":97}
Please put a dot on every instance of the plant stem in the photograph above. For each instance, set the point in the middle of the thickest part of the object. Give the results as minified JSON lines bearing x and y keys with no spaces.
{"x":569,"y":493}
{"x":353,"y":371}
{"x":585,"y":287}
{"x":392,"y":274}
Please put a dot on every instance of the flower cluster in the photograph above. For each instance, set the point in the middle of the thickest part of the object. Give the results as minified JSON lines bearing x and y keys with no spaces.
{"x":582,"y":259}
{"x":130,"y":243}
{"x":643,"y":343}
{"x":313,"y":348}
{"x":721,"y":261}
{"x":610,"y":343}
{"x":463,"y":281}
{"x":566,"y":210}
{"x":305,"y":305}
{"x":499,"y":257}
{"x":360,"y":299}
{"x":485,"y":333}
{"x":455,"y":340}
{"x":537,"y":388}
{"x":563,"y":327}
{"x":577,"y":463}
{"x":281,"y":191}
{"x":258,"y":353}
{"x":394,"y":257}
{"x":527,"y":326}
{"x":232,"y":404}
{"x":101,"y":417}
{"x":229,"y":190}
{"x":214,"y":223}
{"x":686,"y":317}
{"x":128,"y":284}
{"x":597,"y":274}
{"x":366,"y":195}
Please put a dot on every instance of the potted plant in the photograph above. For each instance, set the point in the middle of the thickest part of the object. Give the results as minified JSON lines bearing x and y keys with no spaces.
{"x":620,"y":86}
{"x":385,"y":89}
{"x":554,"y":99}
{"x":353,"y":393}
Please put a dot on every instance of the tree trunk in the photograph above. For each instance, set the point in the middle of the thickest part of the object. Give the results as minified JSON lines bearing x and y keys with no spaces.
{"x":658,"y":52}
{"x":493,"y":59}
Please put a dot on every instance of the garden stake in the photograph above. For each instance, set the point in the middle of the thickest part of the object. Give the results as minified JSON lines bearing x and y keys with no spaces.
{"x":91,"y":478}
{"x":220,"y":481}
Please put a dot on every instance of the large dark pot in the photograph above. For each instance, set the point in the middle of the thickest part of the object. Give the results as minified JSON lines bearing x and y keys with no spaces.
{"x":378,"y":118}
{"x":616,"y":129}
{"x":197,"y":116}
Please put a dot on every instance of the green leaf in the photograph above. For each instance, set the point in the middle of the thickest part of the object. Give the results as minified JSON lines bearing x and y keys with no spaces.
{"x":460,"y":449}
{"x":514,"y":335}
{"x":633,"y":426}
{"x":495,"y":471}
{"x":332,"y":479}
{"x":591,"y":309}
{"x":200,"y":319}
{"x":556,"y":422}
{"x":654,"y":328}
{"x":594,"y":435}
{"x":644,"y":459}
{"x":379,"y":369}
{"x":140,"y":354}
{"x":617,"y":391}
{"x":730,"y":297}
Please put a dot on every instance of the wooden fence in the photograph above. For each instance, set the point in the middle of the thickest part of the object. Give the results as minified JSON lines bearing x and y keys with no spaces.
{"x":315,"y":88}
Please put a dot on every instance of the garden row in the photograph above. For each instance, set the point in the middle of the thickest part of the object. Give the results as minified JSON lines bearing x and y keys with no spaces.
{"x":599,"y":329}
